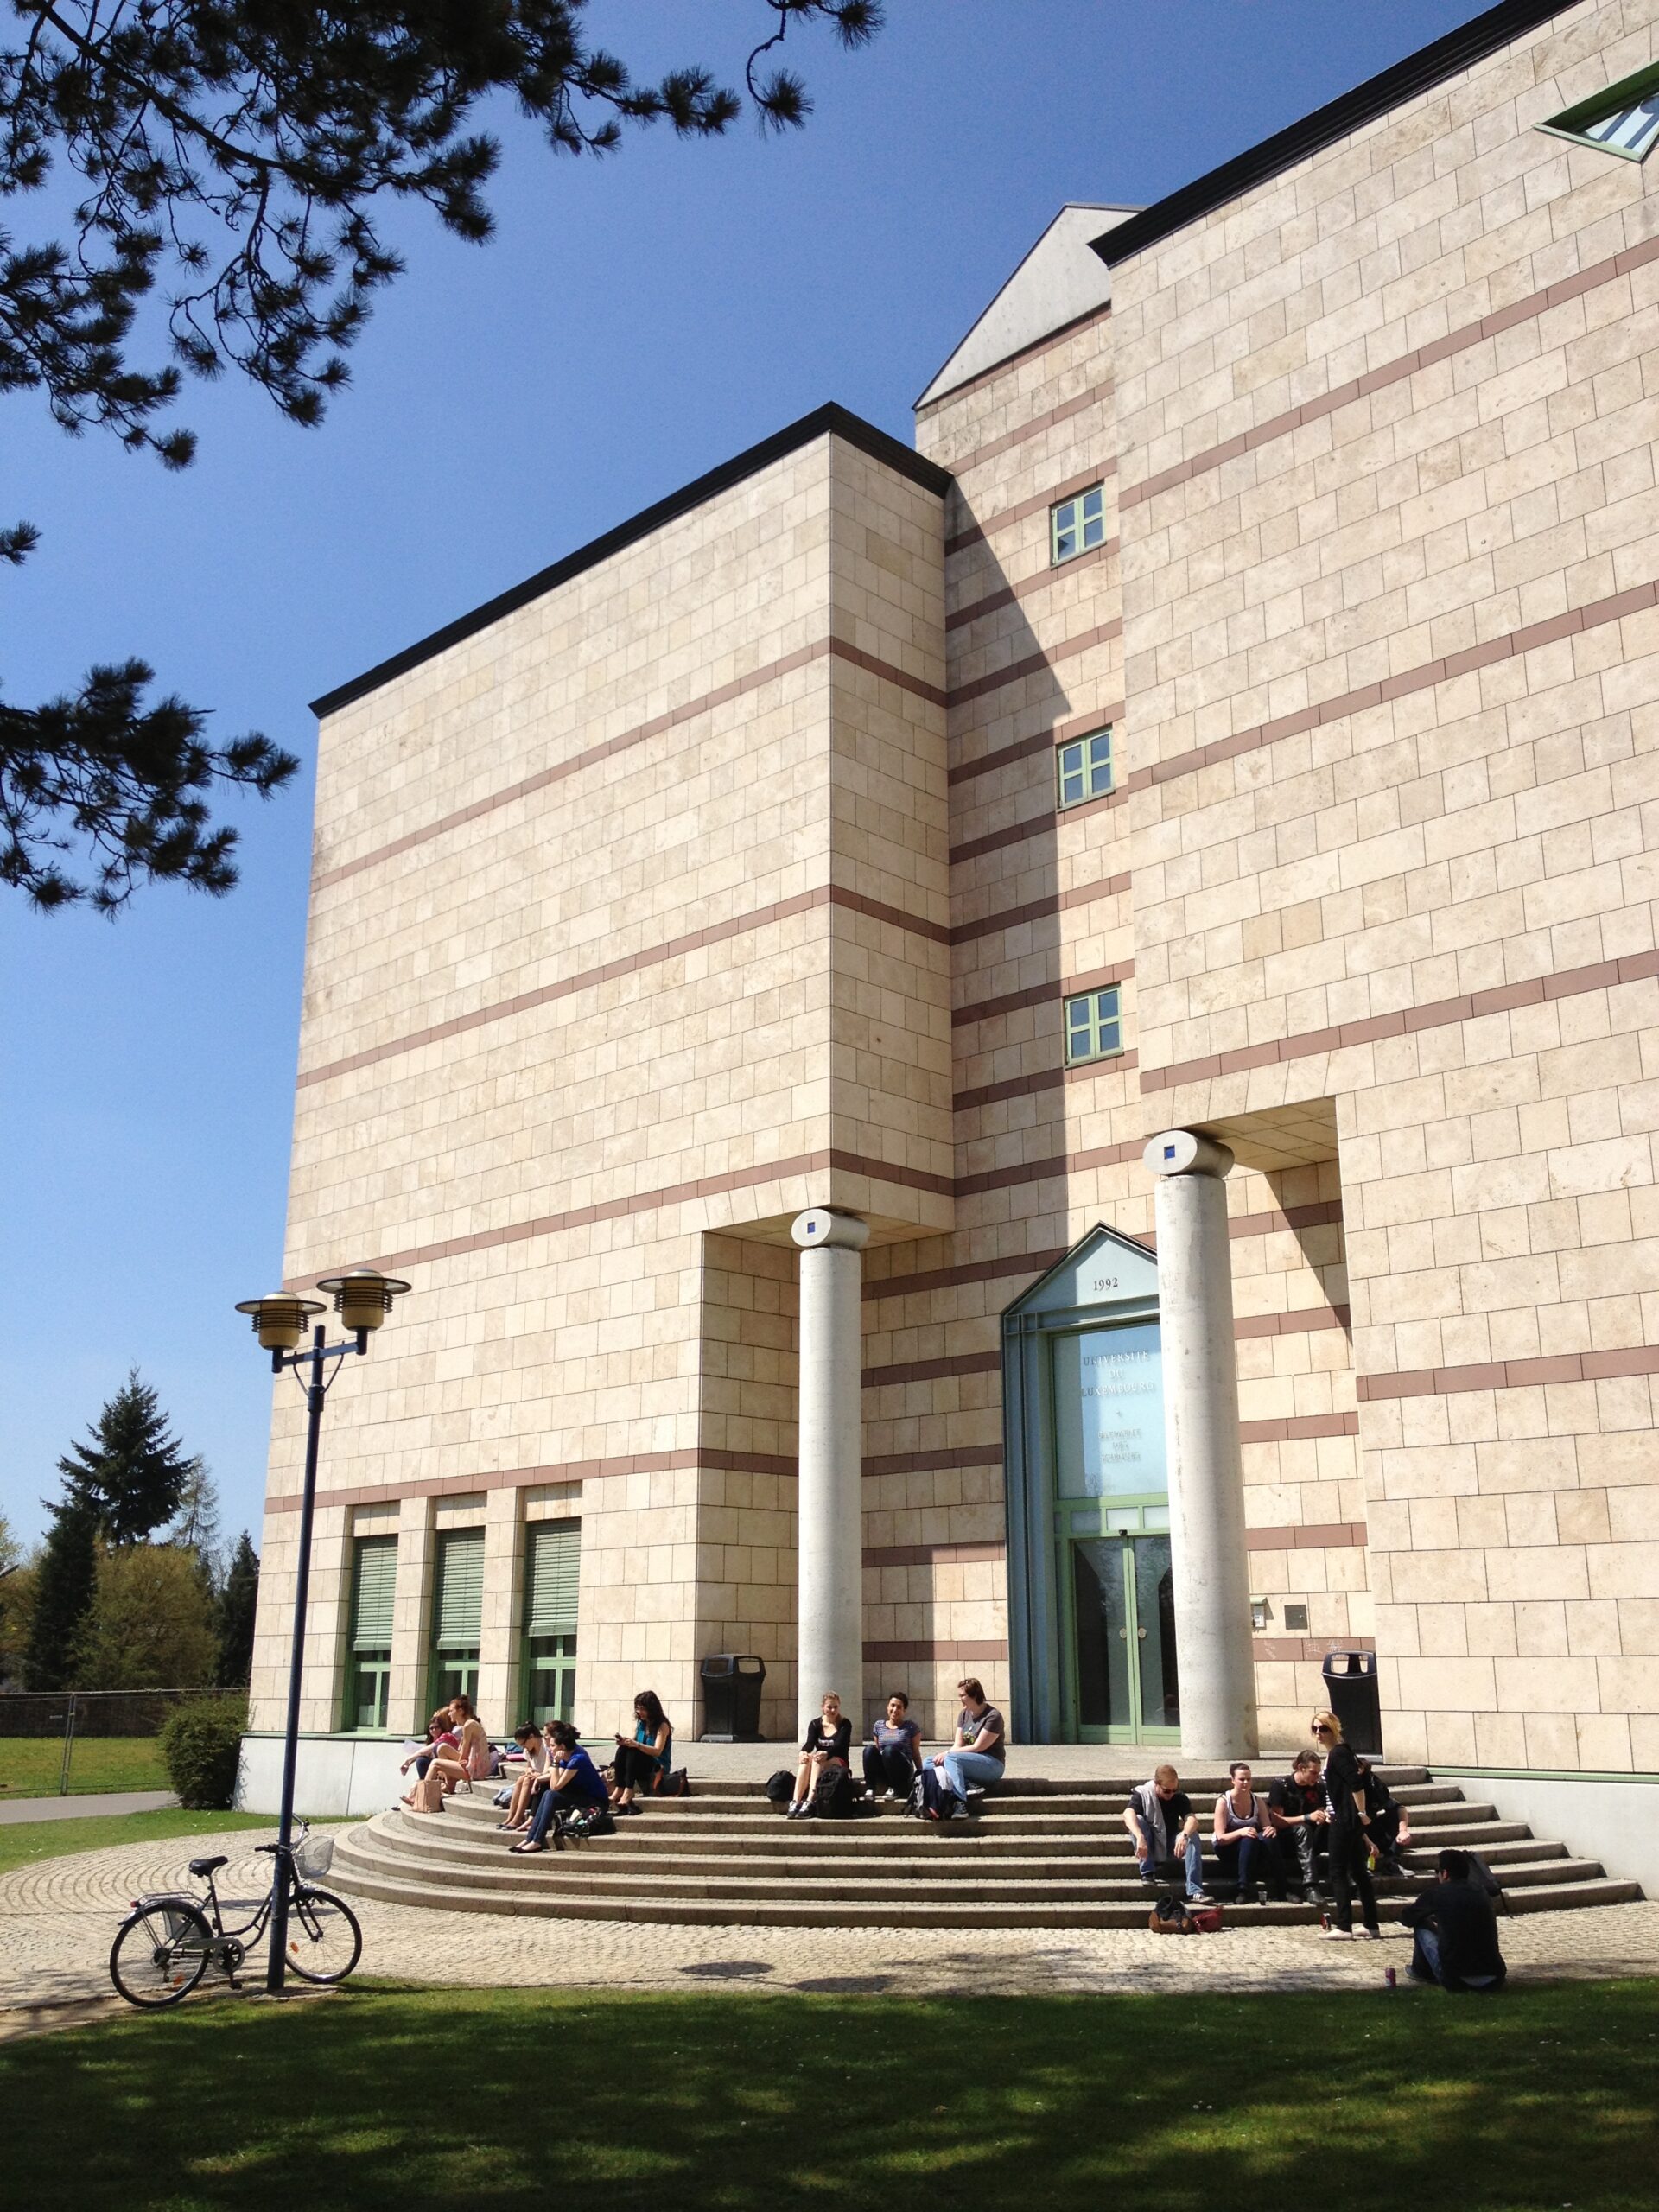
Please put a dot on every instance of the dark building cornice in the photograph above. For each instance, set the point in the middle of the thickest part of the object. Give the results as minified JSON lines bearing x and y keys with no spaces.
{"x":1418,"y":72}
{"x":829,"y":421}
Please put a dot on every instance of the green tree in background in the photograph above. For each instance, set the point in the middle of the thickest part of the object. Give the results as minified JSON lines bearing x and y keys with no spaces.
{"x":239,"y":1601}
{"x":130,"y":1474}
{"x":150,"y":1625}
{"x":248,"y":152}
{"x":195,"y":1523}
{"x":66,"y":1583}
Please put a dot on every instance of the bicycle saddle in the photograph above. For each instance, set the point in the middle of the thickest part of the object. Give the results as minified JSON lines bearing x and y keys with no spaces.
{"x":202,"y":1867}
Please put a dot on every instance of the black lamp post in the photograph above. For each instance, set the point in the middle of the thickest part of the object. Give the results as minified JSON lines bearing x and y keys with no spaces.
{"x":362,"y":1299}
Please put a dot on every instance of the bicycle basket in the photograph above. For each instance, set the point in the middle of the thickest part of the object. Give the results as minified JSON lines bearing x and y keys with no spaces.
{"x":314,"y":1857}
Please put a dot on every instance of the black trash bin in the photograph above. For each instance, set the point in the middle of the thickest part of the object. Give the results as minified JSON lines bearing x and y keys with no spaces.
{"x":731,"y":1697}
{"x":1352,"y":1691}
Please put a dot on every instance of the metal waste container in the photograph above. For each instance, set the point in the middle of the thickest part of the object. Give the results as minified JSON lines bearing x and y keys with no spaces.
{"x":731,"y":1697}
{"x":1352,"y":1691}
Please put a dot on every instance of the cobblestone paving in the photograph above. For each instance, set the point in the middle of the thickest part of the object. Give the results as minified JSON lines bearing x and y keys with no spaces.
{"x":58,"y":1918}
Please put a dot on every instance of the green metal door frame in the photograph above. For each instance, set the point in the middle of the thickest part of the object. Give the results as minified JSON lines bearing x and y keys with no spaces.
{"x":1136,"y":1729}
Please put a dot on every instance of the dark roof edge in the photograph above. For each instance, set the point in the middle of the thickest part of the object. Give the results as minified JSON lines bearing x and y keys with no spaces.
{"x":830,"y":420}
{"x":1460,"y":49}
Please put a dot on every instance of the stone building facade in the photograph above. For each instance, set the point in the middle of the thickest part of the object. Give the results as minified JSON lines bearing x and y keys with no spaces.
{"x":1237,"y":715}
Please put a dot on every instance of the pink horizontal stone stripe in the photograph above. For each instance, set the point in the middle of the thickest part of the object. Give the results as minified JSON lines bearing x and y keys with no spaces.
{"x":705,"y":704}
{"x":1512,"y":1374}
{"x":1331,"y":1535}
{"x":1404,"y":364}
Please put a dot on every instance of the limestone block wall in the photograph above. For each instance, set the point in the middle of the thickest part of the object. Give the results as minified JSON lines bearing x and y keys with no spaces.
{"x":1392,"y":651}
{"x":628,"y":925}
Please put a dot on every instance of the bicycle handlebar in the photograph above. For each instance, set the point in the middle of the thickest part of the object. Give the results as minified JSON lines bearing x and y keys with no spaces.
{"x":302,"y":1828}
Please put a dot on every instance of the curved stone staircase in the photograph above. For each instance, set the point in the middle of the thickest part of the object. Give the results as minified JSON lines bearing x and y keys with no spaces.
{"x":1040,"y":1853}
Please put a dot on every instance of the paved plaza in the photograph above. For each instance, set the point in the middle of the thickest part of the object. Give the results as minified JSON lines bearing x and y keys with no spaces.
{"x":58,"y":1918}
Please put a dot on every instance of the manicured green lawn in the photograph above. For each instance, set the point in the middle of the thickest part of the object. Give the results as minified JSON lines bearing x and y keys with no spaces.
{"x":30,"y":1765}
{"x":384,"y":2099}
{"x":21,"y":1842}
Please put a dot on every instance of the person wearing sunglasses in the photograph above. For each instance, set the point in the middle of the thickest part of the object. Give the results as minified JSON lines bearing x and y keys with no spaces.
{"x":1345,"y":1792}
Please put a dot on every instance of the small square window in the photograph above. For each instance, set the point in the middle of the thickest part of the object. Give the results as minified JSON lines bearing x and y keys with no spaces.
{"x":1622,"y":120}
{"x":1078,"y":525}
{"x":1094,"y":1026}
{"x":1084,"y":767}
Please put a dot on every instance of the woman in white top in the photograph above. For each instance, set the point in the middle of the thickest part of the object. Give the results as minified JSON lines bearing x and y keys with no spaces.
{"x":1242,"y":1832}
{"x":529,"y":1740}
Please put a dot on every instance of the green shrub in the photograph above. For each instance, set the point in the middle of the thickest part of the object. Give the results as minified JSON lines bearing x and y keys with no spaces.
{"x":200,"y":1744}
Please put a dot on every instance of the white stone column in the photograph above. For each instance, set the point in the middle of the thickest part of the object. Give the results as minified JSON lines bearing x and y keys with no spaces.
{"x":829,"y":1506}
{"x":1206,"y":1481}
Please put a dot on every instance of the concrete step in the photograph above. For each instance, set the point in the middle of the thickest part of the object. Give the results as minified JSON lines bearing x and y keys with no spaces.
{"x":551,"y":1903}
{"x":1115,"y":1788}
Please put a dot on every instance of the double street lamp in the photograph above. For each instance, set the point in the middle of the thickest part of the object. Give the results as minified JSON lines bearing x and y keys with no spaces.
{"x":362,"y":1299}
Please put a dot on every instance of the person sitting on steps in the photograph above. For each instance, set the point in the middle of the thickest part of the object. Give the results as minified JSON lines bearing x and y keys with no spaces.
{"x":1165,"y":1830}
{"x":979,"y":1756}
{"x":827,"y":1743}
{"x":1300,"y":1820}
{"x":529,"y":1740}
{"x":646,"y":1763}
{"x":574,"y":1784}
{"x":893,"y":1758}
{"x":1390,"y":1821}
{"x":1243,"y":1835}
{"x":435,"y":1766}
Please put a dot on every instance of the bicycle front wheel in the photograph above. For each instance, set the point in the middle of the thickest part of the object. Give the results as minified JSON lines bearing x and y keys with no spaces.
{"x":324,"y":1940}
{"x":160,"y":1953}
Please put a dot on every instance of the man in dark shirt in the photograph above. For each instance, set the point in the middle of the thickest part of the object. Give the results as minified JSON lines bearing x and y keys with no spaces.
{"x":1455,"y":1931}
{"x":1296,"y":1809}
{"x":1164,"y":1830}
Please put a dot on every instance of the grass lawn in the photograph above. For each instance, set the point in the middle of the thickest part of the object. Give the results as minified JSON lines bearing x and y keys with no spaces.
{"x":21,"y":1842}
{"x":384,"y":2099}
{"x":30,"y":1765}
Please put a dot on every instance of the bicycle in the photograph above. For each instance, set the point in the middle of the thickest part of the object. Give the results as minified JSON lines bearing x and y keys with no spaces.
{"x":168,"y":1942}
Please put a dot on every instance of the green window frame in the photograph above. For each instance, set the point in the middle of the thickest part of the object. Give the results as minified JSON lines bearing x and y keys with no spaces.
{"x":1622,"y":120}
{"x":457,"y":1615}
{"x":552,"y":1591}
{"x":1094,"y":1025}
{"x":1078,"y":525}
{"x":1082,"y":767}
{"x":367,"y":1700}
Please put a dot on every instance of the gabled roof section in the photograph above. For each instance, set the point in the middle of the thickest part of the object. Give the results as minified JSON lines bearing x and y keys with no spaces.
{"x":1418,"y":72}
{"x":1057,"y":284}
{"x":1105,"y":1268}
{"x":829,"y":421}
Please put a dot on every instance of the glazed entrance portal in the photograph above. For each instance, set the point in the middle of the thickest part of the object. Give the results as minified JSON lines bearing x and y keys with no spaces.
{"x":1092,"y":1651}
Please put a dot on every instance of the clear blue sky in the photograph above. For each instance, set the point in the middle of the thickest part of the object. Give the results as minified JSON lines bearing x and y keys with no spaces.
{"x":634,"y":321}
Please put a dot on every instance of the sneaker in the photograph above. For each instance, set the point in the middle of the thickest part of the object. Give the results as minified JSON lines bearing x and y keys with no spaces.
{"x":1199,"y":1896}
{"x":1336,"y":1935}
{"x":1368,"y":1935}
{"x":889,"y":1797}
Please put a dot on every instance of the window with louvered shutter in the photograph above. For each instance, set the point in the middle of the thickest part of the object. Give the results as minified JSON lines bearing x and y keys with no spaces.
{"x":553,"y":1578}
{"x":459,"y":1608}
{"x":377,"y":1588}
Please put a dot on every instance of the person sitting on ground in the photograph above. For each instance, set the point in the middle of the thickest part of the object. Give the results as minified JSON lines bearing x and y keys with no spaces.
{"x":1455,"y":1931}
{"x":893,"y":1758}
{"x":529,"y":1740}
{"x":1243,"y":1836}
{"x":646,"y":1762}
{"x":1300,"y":1818}
{"x":574,"y":1784}
{"x":442,"y":1745}
{"x":1159,"y":1818}
{"x":1349,"y":1826}
{"x":978,"y":1758}
{"x":1390,"y":1821}
{"x":827,"y":1743}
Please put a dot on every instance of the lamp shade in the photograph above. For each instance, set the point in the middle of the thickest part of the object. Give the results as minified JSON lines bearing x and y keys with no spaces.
{"x":363,"y":1298}
{"x":279,"y":1321}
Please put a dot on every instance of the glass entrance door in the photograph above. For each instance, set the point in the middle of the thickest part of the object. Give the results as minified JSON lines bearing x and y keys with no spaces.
{"x":1125,"y":1687}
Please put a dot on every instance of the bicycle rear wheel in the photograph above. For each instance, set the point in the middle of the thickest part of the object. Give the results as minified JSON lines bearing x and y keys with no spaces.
{"x":324,"y":1940}
{"x":160,"y":1953}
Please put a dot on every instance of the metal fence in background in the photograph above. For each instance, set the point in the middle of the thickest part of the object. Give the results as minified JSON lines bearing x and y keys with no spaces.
{"x":71,"y":1717}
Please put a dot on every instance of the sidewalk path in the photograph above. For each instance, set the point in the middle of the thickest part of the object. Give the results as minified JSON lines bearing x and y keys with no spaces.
{"x":58,"y":1917}
{"x":81,"y":1809}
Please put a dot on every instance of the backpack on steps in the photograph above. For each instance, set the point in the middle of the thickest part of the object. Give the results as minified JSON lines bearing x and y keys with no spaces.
{"x":833,"y":1799}
{"x":780,"y":1788}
